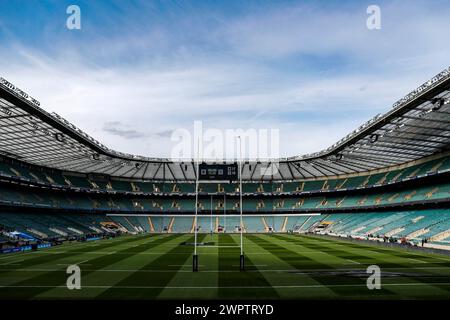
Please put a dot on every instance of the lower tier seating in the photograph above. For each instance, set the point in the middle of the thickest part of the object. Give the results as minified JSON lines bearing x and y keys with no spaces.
{"x":432,"y":225}
{"x":18,"y":170}
{"x":118,"y":203}
{"x":46,"y":226}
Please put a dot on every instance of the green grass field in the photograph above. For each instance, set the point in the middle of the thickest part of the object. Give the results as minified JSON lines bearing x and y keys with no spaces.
{"x":278,"y":266}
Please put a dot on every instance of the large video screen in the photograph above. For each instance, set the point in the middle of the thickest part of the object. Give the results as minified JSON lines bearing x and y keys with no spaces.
{"x":218,"y":171}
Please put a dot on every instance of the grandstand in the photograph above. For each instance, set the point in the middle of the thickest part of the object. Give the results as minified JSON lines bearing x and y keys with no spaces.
{"x":387,"y":181}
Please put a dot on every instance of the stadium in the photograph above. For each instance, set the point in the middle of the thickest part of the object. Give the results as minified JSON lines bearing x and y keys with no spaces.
{"x":309,"y":230}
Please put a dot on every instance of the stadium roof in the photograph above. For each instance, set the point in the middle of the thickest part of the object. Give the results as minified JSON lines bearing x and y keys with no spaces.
{"x":417,"y":126}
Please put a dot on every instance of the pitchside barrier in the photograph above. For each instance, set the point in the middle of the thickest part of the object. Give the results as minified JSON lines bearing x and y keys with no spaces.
{"x":25,"y":248}
{"x":382,"y":244}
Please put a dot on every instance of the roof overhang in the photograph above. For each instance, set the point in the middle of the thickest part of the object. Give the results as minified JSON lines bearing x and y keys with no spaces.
{"x":416,"y":127}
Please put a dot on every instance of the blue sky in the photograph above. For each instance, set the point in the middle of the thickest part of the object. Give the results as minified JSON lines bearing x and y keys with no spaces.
{"x":137,"y":70}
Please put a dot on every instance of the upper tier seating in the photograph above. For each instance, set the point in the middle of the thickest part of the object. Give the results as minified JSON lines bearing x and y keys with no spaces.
{"x":48,"y":226}
{"x":22,"y":171}
{"x":431,"y":224}
{"x":119,"y":202}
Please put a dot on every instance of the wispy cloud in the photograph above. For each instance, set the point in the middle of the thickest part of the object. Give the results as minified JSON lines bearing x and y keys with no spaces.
{"x":116,"y":128}
{"x":299,"y":68}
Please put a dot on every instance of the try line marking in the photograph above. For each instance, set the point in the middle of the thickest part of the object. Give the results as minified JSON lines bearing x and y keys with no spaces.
{"x":415,"y":284}
{"x":300,"y":271}
{"x":219,"y":246}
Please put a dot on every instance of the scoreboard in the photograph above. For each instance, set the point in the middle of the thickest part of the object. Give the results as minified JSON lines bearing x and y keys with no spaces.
{"x":218,"y":171}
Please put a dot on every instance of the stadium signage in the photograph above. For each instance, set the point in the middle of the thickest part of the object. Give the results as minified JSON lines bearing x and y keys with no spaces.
{"x":16,"y":91}
{"x":218,"y":172}
{"x":433,"y":82}
{"x":24,"y":248}
{"x":445,"y":74}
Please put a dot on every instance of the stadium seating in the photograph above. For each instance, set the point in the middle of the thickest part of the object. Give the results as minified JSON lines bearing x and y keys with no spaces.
{"x":431,"y":224}
{"x":221,"y":223}
{"x":49,"y":226}
{"x":86,"y":203}
{"x":231,"y":223}
{"x":254,"y":224}
{"x":73,"y":180}
{"x":183,"y":224}
{"x":4,"y":238}
{"x":124,"y":203}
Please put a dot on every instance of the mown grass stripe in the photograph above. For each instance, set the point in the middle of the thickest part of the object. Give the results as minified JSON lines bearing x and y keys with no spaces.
{"x":325,"y":279}
{"x":386,"y":261}
{"x":244,"y":278}
{"x":159,"y":268}
{"x":412,"y":284}
{"x":399,"y":252}
{"x":282,"y":274}
{"x":59,"y":277}
{"x":162,"y":280}
{"x":34,"y":258}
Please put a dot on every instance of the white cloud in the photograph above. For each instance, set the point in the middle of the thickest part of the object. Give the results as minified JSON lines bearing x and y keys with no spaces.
{"x":409,"y":29}
{"x":134,"y":107}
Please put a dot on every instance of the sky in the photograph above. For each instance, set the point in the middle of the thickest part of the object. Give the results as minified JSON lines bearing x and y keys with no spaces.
{"x":138,"y":71}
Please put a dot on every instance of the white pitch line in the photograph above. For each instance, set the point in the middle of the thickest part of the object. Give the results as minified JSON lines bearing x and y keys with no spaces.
{"x":14,"y":255}
{"x":296,"y":271}
{"x":158,"y":253}
{"x":416,"y":284}
{"x":439,"y":258}
{"x":419,"y":261}
{"x":11,"y":262}
{"x":253,"y":265}
{"x":354,"y":262}
{"x":182,"y":265}
{"x":207,"y":246}
{"x":76,"y":263}
{"x":51,"y":252}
